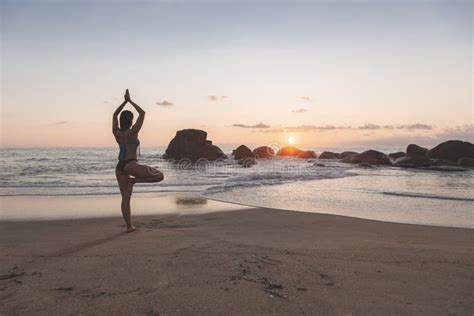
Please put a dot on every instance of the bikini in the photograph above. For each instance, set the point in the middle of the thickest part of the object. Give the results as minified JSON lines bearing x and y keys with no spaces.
{"x":122,"y":161}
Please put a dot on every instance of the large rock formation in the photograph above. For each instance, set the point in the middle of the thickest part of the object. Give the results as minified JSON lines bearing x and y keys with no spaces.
{"x":371,"y":157}
{"x":452,"y":150}
{"x":416,"y":151}
{"x":263,"y":152}
{"x":192,"y":144}
{"x":466,"y":162}
{"x":242,"y":152}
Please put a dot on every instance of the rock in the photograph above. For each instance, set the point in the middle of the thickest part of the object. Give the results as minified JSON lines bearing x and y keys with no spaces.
{"x":442,"y":162}
{"x":329,"y":155}
{"x":412,"y":162}
{"x":290,"y":151}
{"x":398,"y":154}
{"x":263,"y":152}
{"x":452,"y":150}
{"x":416,"y":151}
{"x":466,"y":162}
{"x":371,"y":157}
{"x":247,"y":162}
{"x":209,"y":152}
{"x":345,"y":154}
{"x":192,"y":144}
{"x":365,"y":165}
{"x":242,"y":152}
{"x":308,"y":154}
{"x":349,"y":158}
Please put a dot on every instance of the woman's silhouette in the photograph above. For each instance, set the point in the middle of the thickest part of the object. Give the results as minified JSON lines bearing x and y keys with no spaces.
{"x":127,"y":137}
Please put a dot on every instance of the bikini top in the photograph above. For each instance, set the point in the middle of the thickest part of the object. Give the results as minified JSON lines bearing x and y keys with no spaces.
{"x":123,"y":146}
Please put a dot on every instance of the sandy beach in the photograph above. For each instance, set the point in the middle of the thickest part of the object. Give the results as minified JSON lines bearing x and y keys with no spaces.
{"x":246,"y":262}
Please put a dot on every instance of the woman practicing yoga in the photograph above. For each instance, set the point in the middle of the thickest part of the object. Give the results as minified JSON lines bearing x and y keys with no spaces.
{"x":127,"y":137}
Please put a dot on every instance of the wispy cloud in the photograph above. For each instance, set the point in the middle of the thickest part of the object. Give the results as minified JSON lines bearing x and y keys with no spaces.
{"x":165,"y":103}
{"x":259,"y":125}
{"x":415,"y":126}
{"x":217,"y":97}
{"x":58,"y":123}
{"x":300,"y":110}
{"x":366,"y":127}
{"x":464,"y":132}
{"x":304,"y":98}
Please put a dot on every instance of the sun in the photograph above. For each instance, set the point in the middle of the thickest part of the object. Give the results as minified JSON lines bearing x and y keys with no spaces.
{"x":291,"y":140}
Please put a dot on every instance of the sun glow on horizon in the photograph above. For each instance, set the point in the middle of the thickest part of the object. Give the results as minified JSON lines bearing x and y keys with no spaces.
{"x":291,"y":140}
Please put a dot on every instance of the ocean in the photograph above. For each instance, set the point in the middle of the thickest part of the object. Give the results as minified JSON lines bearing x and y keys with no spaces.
{"x":380,"y":193}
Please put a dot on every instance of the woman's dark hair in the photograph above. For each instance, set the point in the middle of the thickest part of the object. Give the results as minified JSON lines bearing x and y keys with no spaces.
{"x":126,"y":119}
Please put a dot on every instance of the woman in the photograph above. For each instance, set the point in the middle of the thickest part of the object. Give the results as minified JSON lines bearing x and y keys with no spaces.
{"x":127,"y":137}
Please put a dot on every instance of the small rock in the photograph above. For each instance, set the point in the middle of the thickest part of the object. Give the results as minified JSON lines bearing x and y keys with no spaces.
{"x":416,"y":151}
{"x":397,"y":155}
{"x":329,"y":155}
{"x":242,"y":152}
{"x":263,"y":152}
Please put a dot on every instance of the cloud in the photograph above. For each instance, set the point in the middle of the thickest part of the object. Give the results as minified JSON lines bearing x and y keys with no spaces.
{"x":58,"y":123}
{"x":416,"y":126}
{"x":300,"y":110}
{"x":259,"y":125}
{"x":366,"y":127}
{"x":304,"y":98}
{"x":463,"y":132}
{"x":165,"y":103}
{"x":217,"y":97}
{"x":305,"y":128}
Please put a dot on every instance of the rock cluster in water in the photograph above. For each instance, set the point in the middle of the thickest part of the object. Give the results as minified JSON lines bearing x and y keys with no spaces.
{"x":452,"y":155}
{"x":449,"y":156}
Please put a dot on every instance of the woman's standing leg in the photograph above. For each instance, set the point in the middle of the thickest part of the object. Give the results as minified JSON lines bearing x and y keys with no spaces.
{"x":126,"y":192}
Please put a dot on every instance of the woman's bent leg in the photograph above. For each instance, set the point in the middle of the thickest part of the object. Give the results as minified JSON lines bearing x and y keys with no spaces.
{"x":143,"y":173}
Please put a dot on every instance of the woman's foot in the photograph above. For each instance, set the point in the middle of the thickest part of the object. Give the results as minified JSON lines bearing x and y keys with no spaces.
{"x":131,"y":229}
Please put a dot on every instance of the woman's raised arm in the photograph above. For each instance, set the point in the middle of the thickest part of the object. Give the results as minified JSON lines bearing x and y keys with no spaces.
{"x":115,"y":125}
{"x":141,"y":114}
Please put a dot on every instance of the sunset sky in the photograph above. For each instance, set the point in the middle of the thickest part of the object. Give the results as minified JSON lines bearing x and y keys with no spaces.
{"x":340,"y":73}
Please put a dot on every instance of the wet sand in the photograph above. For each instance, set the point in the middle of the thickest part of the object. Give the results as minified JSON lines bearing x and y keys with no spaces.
{"x":242,"y":262}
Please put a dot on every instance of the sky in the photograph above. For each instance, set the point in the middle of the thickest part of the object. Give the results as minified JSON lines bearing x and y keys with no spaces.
{"x":328,"y":73}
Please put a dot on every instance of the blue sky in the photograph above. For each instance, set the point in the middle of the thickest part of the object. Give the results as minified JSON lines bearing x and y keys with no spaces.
{"x":387,"y":63}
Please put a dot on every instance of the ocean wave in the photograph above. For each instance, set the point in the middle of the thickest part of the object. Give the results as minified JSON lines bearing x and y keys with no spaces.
{"x":428,"y":196}
{"x":98,"y":186}
{"x":96,"y":193}
{"x":256,"y":179}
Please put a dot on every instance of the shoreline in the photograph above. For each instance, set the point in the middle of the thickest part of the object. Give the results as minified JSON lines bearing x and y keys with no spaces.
{"x":244,"y":261}
{"x":178,"y":203}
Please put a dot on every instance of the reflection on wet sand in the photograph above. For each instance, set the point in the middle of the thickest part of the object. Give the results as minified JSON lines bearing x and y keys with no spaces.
{"x":48,"y":208}
{"x":189,"y":201}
